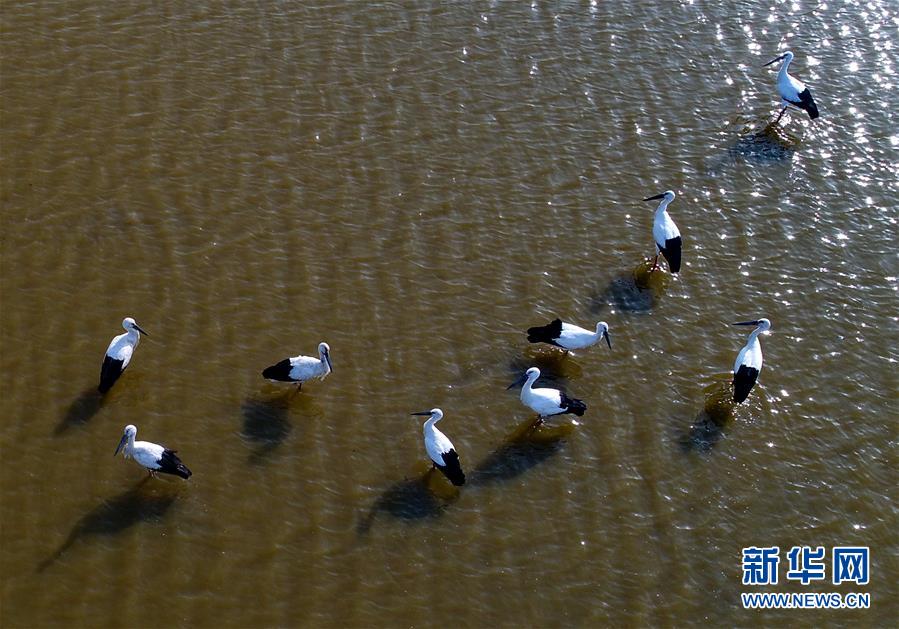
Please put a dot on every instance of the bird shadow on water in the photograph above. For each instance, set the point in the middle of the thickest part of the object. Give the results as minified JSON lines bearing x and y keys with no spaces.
{"x":556,"y":366}
{"x":422,"y":497}
{"x":709,"y":424}
{"x":529,"y":445}
{"x":637,"y":290}
{"x":145,"y":502}
{"x":761,"y":142}
{"x":265,"y":424}
{"x":80,"y":411}
{"x":427,"y":495}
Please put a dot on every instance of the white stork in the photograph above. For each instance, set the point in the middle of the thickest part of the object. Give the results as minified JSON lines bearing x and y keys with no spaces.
{"x":119,"y":353}
{"x":568,"y":336}
{"x":546,"y":402}
{"x":792,"y":90}
{"x":665,"y":233}
{"x":440,"y":448}
{"x":299,"y":369}
{"x":749,"y":360}
{"x":152,"y":456}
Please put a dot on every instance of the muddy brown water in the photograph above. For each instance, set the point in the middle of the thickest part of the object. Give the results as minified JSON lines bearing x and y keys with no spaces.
{"x":416,"y":184}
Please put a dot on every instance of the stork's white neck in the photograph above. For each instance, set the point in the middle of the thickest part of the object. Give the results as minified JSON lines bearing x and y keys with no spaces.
{"x":754,"y":335}
{"x":129,"y":447}
{"x":132,"y":335}
{"x":783,"y":68}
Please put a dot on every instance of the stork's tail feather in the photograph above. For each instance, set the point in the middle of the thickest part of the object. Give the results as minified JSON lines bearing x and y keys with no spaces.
{"x":672,"y":253}
{"x":453,"y":468}
{"x":455,"y":476}
{"x":573,"y":406}
{"x":109,"y":373}
{"x":171,"y":464}
{"x":279,"y":371}
{"x":577,"y":407}
{"x":545,"y":333}
{"x":807,"y":103}
{"x":744,"y":380}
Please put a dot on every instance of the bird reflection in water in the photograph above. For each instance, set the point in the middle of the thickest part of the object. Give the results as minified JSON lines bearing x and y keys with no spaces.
{"x":80,"y":411}
{"x":768,"y":143}
{"x":529,"y":445}
{"x":556,"y":367}
{"x":634,"y":291}
{"x":422,"y":497}
{"x":709,"y":424}
{"x":145,"y":502}
{"x":265,"y":423}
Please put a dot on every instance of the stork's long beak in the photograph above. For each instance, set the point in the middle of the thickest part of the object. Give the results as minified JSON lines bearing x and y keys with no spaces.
{"x":140,"y":329}
{"x":519,"y":381}
{"x":328,"y":360}
{"x":746,"y":323}
{"x":422,"y":413}
{"x":606,"y":337}
{"x":123,"y":441}
{"x":775,"y":60}
{"x":658,"y":196}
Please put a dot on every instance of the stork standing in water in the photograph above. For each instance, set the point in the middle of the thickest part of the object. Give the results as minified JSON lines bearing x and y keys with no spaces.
{"x":546,"y":402}
{"x":749,"y":361}
{"x":568,"y":336}
{"x":440,"y":448}
{"x":299,"y":369}
{"x":792,"y":90}
{"x":152,"y":456}
{"x":665,"y":233}
{"x":119,"y":353}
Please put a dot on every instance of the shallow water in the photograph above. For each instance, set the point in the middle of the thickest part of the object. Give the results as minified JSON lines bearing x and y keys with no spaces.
{"x":417,"y":186}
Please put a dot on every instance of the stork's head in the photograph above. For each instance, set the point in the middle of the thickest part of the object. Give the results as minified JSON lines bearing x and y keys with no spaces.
{"x":530,"y":375}
{"x":324,"y":353}
{"x":435,"y":413}
{"x":763,"y":325}
{"x":130,"y":324}
{"x":602,"y":329}
{"x":787,"y":57}
{"x":667,"y":197}
{"x":127,"y":436}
